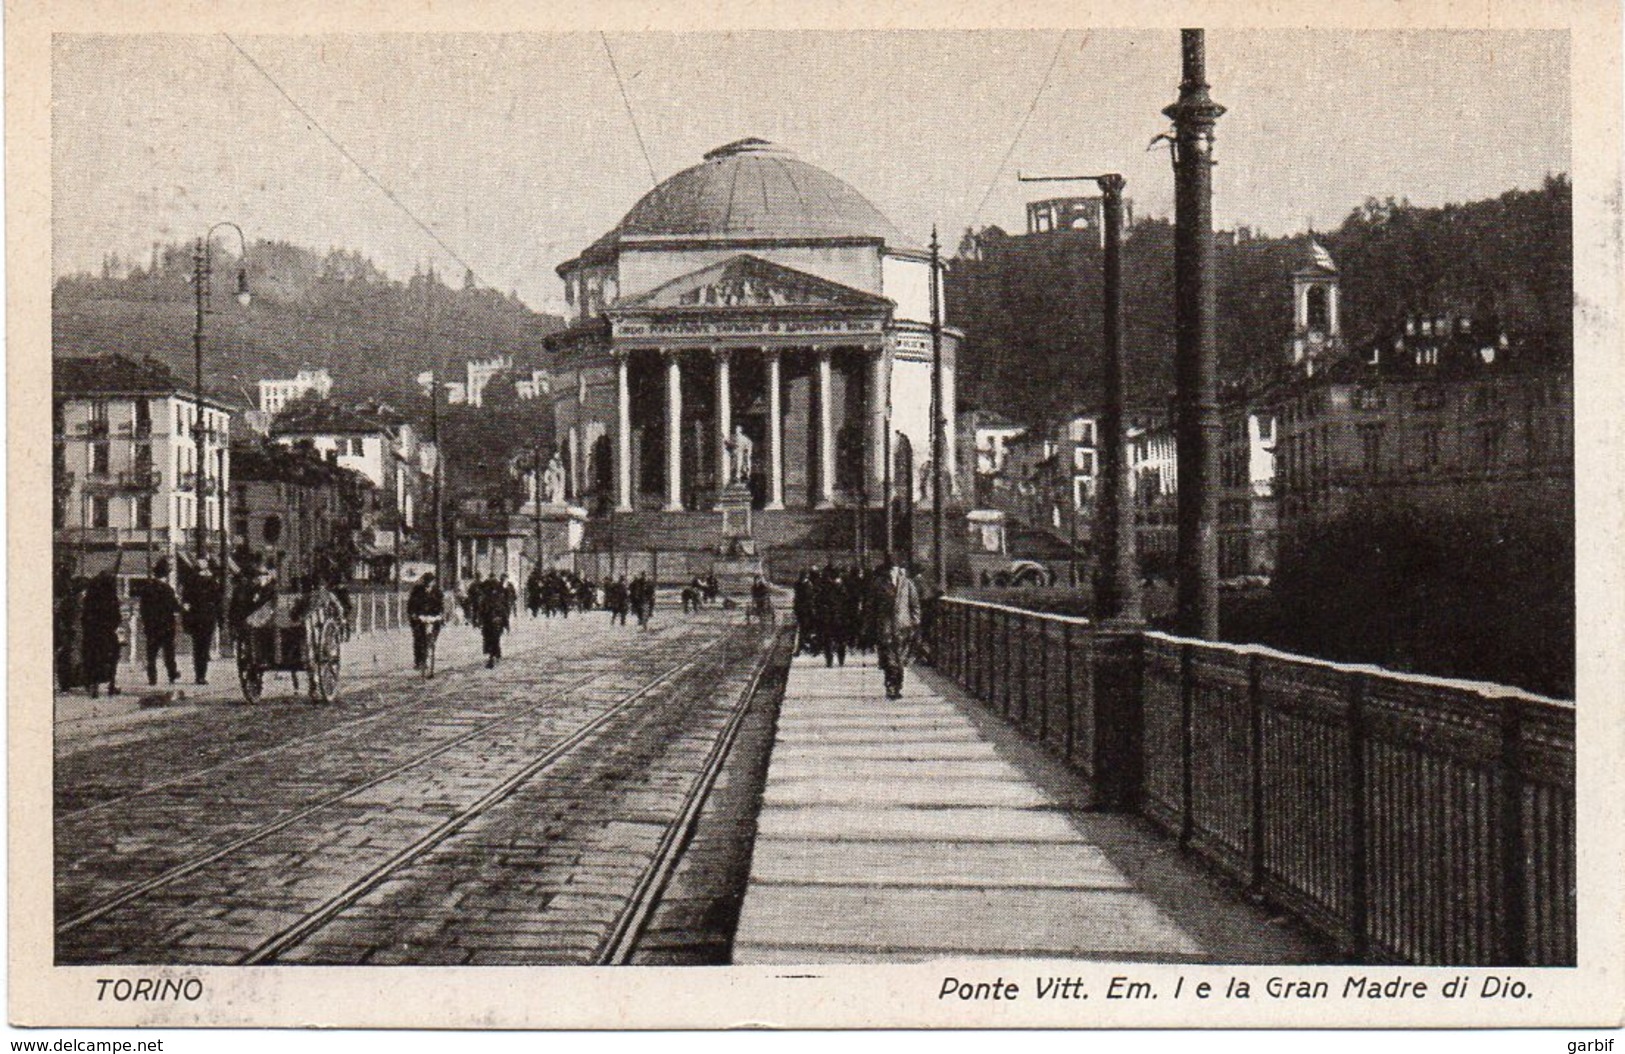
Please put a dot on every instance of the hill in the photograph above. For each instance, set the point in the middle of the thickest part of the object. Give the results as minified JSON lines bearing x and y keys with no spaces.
{"x":372,"y":333}
{"x":1030,"y":305}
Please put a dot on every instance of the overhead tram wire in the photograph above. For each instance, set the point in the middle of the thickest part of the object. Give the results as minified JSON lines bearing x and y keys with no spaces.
{"x":374,"y":180}
{"x":654,"y":180}
{"x":1021,"y":128}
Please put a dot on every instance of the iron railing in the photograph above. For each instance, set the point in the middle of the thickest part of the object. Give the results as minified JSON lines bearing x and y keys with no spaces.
{"x":1407,"y":818}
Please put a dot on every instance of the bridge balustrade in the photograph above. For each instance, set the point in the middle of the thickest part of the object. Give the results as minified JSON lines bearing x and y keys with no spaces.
{"x":1408,"y":818}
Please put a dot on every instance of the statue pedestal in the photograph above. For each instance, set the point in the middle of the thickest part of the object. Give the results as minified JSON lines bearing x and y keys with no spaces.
{"x":735,"y":505}
{"x":739,"y":563}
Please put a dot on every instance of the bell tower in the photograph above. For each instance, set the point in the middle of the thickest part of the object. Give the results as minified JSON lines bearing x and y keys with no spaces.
{"x":1317,"y":331}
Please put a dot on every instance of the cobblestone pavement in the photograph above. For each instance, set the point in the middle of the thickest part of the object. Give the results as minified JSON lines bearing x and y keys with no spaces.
{"x":437,"y":822}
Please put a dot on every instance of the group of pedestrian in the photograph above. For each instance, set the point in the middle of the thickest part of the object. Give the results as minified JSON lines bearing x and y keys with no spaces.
{"x":636,"y":597}
{"x":90,"y":624}
{"x":701,"y":591}
{"x":838,"y":609}
{"x":557,"y":592}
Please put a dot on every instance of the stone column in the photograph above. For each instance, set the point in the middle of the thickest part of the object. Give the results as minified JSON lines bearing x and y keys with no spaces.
{"x":725,"y":425}
{"x":674,"y":431}
{"x":826,"y":433}
{"x":877,"y":419}
{"x":775,"y":432}
{"x":623,"y":433}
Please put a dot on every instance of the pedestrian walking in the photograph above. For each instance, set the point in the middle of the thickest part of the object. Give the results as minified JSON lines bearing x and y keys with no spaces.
{"x":897,"y":602}
{"x":100,"y":619}
{"x":829,"y":601}
{"x":511,"y":595}
{"x":202,"y":603}
{"x":761,"y":601}
{"x":490,"y":606}
{"x":801,"y":605}
{"x":67,"y":601}
{"x":158,"y":607}
{"x":643,"y":599}
{"x":426,"y":601}
{"x":618,"y":600}
{"x":533,"y":592}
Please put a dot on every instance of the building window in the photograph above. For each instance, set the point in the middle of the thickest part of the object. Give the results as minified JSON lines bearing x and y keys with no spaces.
{"x":100,"y":460}
{"x":98,"y":511}
{"x":1430,"y":446}
{"x":1371,"y":447}
{"x":1319,"y":311}
{"x":143,"y":513}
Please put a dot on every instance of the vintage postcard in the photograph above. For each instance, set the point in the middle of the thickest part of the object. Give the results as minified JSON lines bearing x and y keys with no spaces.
{"x":715,"y":515}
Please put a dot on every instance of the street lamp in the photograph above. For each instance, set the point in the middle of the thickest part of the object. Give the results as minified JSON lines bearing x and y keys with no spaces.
{"x":202,"y":271}
{"x":1117,"y":584}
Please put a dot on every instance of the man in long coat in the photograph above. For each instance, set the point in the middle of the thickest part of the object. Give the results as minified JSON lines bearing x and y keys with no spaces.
{"x":158,"y":606}
{"x":643,"y":599}
{"x":490,"y":606}
{"x":99,"y":619}
{"x":203,"y":599}
{"x":897,"y":604}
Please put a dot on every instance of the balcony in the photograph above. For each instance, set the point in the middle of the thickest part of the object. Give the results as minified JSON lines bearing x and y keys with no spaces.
{"x":91,"y":429}
{"x":139,"y":481}
{"x":126,"y":537}
{"x":103,"y":482}
{"x":188,"y":483}
{"x":138,"y":430}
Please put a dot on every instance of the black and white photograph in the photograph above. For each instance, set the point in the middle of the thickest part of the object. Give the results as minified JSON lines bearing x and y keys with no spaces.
{"x":1082,"y":519}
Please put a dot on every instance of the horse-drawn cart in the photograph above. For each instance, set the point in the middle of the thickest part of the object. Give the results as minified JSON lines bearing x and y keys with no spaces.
{"x":301,"y":633}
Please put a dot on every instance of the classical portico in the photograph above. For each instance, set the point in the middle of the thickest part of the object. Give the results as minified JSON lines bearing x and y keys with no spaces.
{"x":751,"y":302}
{"x":742,"y":328}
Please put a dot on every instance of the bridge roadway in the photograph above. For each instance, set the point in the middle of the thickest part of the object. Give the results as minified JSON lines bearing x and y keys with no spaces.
{"x":926,"y":827}
{"x":592,"y":800}
{"x":529,"y":814}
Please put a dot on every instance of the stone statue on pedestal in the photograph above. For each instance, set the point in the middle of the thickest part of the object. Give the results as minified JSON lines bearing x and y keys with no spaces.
{"x":740,"y":449}
{"x":553,"y":481}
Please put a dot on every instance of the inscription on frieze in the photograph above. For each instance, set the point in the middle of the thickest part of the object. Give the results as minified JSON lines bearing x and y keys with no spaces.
{"x":744,"y":327}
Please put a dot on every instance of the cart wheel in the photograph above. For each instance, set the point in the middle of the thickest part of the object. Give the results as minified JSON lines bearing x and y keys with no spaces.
{"x":324,"y":664}
{"x":250,"y":676}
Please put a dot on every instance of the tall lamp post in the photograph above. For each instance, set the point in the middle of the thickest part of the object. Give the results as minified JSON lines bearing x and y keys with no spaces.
{"x":936,"y":418}
{"x":1117,"y":580}
{"x":202,"y":271}
{"x":1197,"y":425}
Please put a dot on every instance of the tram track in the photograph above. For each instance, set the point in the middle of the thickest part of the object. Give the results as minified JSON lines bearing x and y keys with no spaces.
{"x":620,"y":943}
{"x":260,"y":833}
{"x":649,"y":885}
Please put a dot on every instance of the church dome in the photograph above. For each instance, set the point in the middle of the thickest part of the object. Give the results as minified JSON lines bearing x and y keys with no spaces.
{"x":753,"y":189}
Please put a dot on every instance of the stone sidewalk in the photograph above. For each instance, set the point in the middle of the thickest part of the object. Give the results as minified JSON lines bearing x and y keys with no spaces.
{"x":925,"y":827}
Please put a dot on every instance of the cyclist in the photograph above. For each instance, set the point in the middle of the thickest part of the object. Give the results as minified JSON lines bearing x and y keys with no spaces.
{"x":426,"y":608}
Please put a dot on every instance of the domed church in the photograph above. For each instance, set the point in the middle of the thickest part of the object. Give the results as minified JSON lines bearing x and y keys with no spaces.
{"x":752,"y":322}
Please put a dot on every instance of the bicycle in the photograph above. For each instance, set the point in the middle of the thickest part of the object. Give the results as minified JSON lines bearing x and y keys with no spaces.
{"x":431,"y":626}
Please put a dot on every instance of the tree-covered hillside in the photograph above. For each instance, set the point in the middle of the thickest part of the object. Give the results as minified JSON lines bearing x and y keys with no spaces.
{"x":1030,"y":306}
{"x":373,"y":333}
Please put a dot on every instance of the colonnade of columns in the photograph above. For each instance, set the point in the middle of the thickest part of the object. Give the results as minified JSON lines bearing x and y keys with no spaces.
{"x":824,"y":496}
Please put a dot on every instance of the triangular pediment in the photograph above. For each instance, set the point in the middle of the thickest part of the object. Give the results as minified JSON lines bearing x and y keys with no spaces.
{"x":750,"y":282}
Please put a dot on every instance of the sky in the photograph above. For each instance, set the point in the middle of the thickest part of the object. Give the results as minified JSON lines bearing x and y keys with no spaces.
{"x":517,"y":149}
